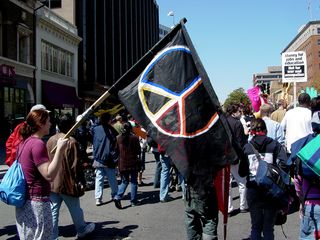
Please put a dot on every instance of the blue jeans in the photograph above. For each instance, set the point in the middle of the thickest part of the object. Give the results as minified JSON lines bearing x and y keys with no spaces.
{"x":73,"y":204}
{"x":165,"y":176}
{"x":101,"y":172}
{"x":156,"y":181}
{"x":263,"y":215}
{"x":201,"y":214}
{"x":310,"y":222}
{"x":133,"y":174}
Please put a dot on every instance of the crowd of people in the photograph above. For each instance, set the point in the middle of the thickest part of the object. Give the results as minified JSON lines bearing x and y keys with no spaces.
{"x":54,"y":168}
{"x":277,"y":135}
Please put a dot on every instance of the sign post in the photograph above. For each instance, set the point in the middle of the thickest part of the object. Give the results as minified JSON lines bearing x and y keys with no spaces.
{"x":294,"y":69}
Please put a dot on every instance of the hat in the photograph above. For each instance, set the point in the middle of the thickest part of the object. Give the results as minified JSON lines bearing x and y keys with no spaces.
{"x":38,"y":107}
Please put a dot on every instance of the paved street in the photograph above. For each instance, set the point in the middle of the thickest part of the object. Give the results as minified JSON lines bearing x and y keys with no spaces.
{"x":150,"y":220}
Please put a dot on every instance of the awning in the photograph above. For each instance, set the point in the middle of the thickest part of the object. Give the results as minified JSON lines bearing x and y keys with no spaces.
{"x":59,"y":95}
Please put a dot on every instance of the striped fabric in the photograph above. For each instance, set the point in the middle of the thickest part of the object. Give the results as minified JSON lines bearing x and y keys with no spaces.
{"x":310,"y":154}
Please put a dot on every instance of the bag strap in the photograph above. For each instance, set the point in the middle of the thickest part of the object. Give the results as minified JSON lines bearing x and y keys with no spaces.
{"x":255,"y":151}
{"x":24,"y":144}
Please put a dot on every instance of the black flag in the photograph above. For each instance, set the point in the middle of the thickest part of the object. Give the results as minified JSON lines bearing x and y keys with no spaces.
{"x":174,"y":101}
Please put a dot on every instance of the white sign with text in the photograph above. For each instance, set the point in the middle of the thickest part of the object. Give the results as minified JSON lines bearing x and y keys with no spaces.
{"x":294,"y":67}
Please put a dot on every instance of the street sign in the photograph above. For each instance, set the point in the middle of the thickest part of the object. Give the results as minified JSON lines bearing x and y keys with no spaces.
{"x":294,"y":67}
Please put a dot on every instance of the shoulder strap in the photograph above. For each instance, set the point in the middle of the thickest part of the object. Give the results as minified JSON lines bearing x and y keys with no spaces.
{"x":20,"y":152}
{"x":255,"y":151}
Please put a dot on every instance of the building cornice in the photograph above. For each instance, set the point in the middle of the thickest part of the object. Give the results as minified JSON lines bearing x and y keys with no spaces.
{"x":50,"y":27}
{"x":21,"y":69}
{"x":299,"y":35}
{"x":52,"y":23}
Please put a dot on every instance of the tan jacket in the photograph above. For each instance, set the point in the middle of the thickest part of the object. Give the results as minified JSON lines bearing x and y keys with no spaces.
{"x":69,"y":179}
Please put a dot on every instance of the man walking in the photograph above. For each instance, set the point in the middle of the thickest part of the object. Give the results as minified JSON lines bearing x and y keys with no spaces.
{"x":105,"y":156}
{"x":297,"y":121}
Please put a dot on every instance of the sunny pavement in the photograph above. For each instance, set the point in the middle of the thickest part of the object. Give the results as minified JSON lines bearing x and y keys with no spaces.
{"x":150,"y":220}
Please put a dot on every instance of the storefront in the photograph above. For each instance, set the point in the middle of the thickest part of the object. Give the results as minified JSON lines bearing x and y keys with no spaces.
{"x":16,"y":95}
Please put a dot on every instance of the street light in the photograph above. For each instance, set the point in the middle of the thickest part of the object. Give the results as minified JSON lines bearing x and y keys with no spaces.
{"x":171,"y":14}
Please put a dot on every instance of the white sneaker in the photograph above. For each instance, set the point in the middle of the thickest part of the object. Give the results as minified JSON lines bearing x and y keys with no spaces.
{"x":98,"y":202}
{"x":88,"y":229}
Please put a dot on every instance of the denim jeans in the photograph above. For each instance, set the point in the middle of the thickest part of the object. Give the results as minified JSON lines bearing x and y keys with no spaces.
{"x":133,"y":174}
{"x":101,"y":172}
{"x":156,"y":181}
{"x":263,"y":215}
{"x":165,"y":176}
{"x":73,"y":204}
{"x":201,"y":214}
{"x":310,"y":222}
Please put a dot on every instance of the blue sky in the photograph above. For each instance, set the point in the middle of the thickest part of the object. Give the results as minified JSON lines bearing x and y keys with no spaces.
{"x":235,"y":39}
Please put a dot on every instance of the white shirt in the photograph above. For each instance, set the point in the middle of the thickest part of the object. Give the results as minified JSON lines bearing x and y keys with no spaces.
{"x":297,"y":124}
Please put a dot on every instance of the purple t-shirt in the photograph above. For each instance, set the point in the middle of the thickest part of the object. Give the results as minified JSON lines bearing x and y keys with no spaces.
{"x":34,"y":153}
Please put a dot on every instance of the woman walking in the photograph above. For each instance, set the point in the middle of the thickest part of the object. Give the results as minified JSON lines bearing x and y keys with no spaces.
{"x":129,"y":163}
{"x":34,"y":219}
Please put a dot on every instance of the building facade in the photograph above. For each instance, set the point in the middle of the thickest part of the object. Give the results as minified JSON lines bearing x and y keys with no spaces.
{"x":16,"y":62}
{"x":308,"y":40}
{"x":116,"y":34}
{"x":57,"y":44}
{"x":270,"y":82}
{"x":163,"y":30}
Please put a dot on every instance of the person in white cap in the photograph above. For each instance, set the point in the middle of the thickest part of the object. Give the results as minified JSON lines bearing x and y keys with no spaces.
{"x":15,"y":138}
{"x":38,"y":107}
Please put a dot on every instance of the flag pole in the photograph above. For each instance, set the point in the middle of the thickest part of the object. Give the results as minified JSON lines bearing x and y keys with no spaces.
{"x":132,"y":73}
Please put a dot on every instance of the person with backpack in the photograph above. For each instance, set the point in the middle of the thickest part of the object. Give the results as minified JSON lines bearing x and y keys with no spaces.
{"x":34,"y":219}
{"x":262,"y":209}
{"x":307,"y":182}
{"x":15,"y":139}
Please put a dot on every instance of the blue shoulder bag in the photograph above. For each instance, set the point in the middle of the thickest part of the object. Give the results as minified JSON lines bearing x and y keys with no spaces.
{"x":272,"y":180}
{"x":13,"y":185}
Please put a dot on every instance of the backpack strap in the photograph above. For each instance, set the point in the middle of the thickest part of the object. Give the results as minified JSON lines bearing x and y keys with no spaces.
{"x":20,"y":152}
{"x":255,"y":151}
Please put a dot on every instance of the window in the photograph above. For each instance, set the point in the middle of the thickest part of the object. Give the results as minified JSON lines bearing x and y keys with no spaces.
{"x":318,"y":30}
{"x":55,"y":59}
{"x":69,"y":61}
{"x":62,"y":63}
{"x":23,"y":43}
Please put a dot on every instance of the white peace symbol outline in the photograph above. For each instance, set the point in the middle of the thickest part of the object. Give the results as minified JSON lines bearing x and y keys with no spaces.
{"x":175,"y":98}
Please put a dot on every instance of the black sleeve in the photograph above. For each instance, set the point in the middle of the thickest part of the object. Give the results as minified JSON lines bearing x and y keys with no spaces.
{"x":244,"y":165}
{"x":281,"y":154}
